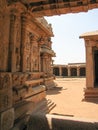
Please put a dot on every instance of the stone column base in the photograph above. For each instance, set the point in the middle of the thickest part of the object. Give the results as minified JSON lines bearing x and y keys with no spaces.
{"x":7,"y":119}
{"x":91,"y":93}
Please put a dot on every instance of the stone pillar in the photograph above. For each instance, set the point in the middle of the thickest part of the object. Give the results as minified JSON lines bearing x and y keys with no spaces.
{"x":6,"y":98}
{"x":44,"y":63}
{"x":31,"y":53}
{"x":60,"y":71}
{"x":69,"y":74}
{"x":14,"y":46}
{"x":23,"y":42}
{"x":4,"y":35}
{"x":89,"y":65}
{"x":78,"y":71}
{"x":39,"y":46}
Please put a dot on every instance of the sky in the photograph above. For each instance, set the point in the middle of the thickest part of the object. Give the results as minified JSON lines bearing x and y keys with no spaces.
{"x":67,"y":45}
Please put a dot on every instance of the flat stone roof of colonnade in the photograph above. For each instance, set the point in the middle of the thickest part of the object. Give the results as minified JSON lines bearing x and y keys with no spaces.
{"x":70,"y":64}
{"x":90,"y":34}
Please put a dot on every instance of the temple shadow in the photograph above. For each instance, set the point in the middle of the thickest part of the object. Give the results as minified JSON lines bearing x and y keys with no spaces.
{"x":39,"y":121}
{"x":55,"y":90}
{"x":95,"y":101}
{"x":30,"y":108}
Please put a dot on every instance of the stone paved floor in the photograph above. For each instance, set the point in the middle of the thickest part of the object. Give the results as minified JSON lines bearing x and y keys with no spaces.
{"x":68,"y":96}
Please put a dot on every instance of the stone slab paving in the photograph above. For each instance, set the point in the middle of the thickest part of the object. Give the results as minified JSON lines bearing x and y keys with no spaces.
{"x":68,"y":96}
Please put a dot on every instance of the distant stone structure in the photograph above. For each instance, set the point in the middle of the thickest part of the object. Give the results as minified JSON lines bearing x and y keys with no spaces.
{"x":70,"y":70}
{"x":91,"y":45}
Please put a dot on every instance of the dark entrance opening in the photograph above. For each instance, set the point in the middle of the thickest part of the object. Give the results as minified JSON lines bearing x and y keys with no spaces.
{"x":73,"y":71}
{"x":64,"y":71}
{"x":56,"y":71}
{"x":96,"y":67}
{"x":82,"y":71}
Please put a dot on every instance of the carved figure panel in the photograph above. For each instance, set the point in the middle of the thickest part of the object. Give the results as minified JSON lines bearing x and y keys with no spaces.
{"x":19,"y":79}
{"x":18,"y":46}
{"x":5,"y":100}
{"x":35,"y":57}
{"x":28,"y":52}
{"x":5,"y":81}
{"x":7,"y":119}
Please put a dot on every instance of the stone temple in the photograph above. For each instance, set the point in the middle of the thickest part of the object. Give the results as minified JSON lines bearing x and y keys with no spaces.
{"x":26,"y":55}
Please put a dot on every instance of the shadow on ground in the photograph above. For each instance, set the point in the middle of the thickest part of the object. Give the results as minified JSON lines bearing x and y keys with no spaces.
{"x":90,"y":101}
{"x":55,"y":90}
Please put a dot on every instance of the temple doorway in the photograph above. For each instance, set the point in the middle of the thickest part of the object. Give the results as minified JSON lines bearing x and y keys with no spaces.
{"x":96,"y":67}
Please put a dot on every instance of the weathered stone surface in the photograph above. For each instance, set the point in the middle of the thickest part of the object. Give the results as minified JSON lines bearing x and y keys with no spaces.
{"x":50,"y":8}
{"x":5,"y":91}
{"x":38,"y":97}
{"x":5,"y":100}
{"x":22,"y":69}
{"x":5,"y":81}
{"x":7,"y":119}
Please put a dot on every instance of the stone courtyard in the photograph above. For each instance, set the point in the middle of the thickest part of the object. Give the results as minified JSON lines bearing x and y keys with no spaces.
{"x":68,"y":97}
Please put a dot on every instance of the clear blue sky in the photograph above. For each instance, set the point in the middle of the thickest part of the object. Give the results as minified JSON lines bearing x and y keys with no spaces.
{"x":67,"y":29}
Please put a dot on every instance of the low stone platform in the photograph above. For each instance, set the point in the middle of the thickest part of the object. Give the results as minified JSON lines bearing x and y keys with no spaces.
{"x":40,"y":121}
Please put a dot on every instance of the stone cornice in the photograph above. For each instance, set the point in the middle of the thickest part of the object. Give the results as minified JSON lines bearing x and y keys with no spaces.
{"x":50,"y":8}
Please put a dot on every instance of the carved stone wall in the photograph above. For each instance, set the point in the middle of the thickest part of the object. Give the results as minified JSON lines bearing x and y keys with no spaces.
{"x":6,"y":95}
{"x":22,"y":82}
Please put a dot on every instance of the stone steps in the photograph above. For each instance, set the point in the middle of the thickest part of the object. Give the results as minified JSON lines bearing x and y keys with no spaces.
{"x":45,"y":106}
{"x":30,"y":100}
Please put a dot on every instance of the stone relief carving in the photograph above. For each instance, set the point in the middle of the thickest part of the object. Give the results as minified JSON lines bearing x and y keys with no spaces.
{"x":18,"y":32}
{"x":5,"y":81}
{"x":35,"y":57}
{"x":7,"y":119}
{"x":5,"y":100}
{"x":28,"y":51}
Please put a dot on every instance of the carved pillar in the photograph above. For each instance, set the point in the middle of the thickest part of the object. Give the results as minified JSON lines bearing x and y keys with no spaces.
{"x":89,"y":65}
{"x":50,"y":65}
{"x":4,"y":36}
{"x":6,"y":110}
{"x":23,"y":43}
{"x":31,"y":53}
{"x":14,"y":47}
{"x":11,"y":61}
{"x":39,"y":58}
{"x":45,"y":63}
{"x":6,"y":98}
